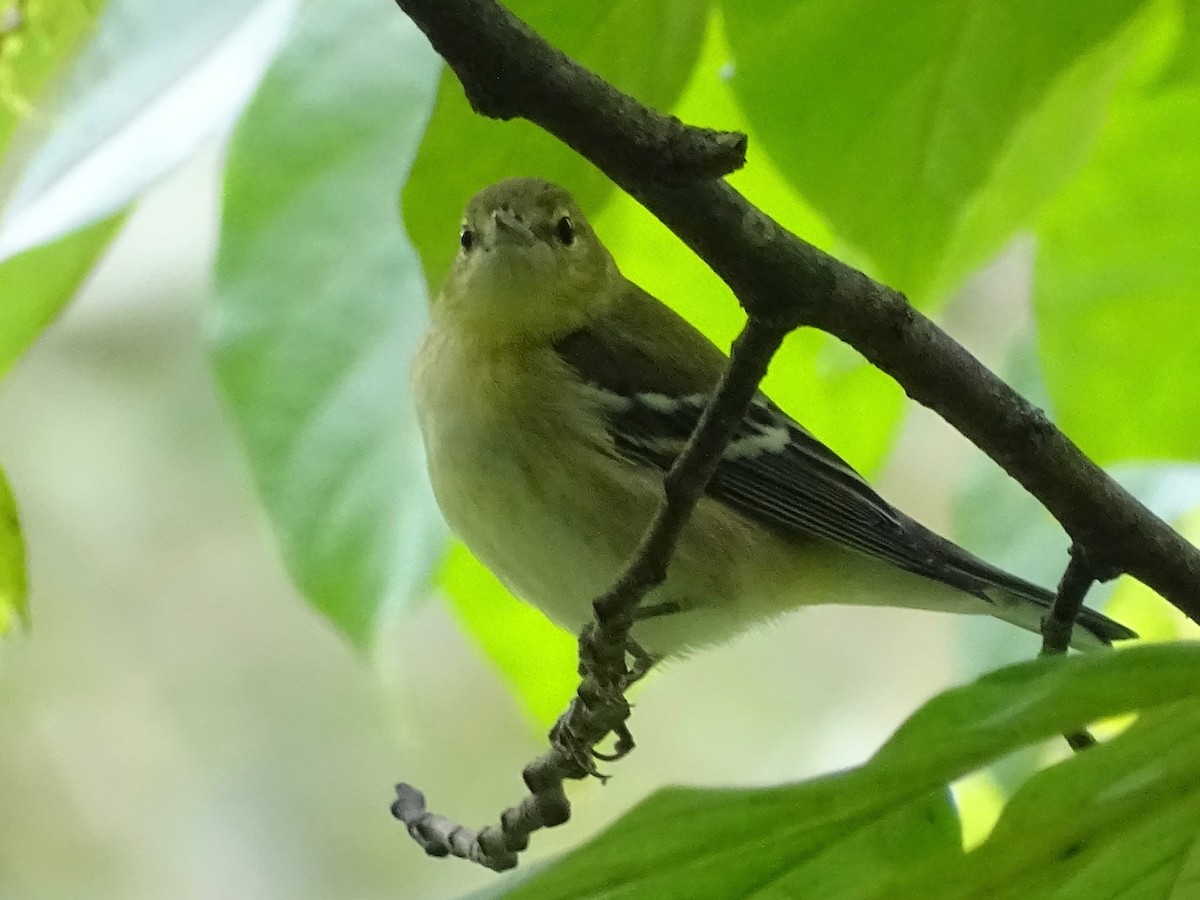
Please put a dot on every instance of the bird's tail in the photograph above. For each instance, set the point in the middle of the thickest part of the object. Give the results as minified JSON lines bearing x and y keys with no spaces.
{"x":1024,"y":604}
{"x":1014,"y":599}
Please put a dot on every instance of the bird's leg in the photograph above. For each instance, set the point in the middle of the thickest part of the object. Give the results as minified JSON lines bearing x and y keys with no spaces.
{"x":643,"y":662}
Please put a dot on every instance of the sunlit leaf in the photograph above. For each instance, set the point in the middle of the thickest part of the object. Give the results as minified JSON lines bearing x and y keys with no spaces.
{"x":320,"y":304}
{"x":36,"y":38}
{"x":36,"y":284}
{"x":1120,"y":821}
{"x":13,"y":585}
{"x":1184,"y":66}
{"x":926,"y":133}
{"x":1118,"y":274}
{"x":536,"y":658}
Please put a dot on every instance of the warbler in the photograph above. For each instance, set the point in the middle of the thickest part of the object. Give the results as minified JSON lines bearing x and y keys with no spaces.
{"x":553,"y":394}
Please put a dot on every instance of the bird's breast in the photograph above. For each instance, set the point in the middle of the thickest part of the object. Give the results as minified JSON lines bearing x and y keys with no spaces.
{"x":519,"y":470}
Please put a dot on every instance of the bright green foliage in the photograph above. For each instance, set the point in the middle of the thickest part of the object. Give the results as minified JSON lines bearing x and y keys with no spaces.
{"x":13,"y":586}
{"x":36,"y":37}
{"x":463,"y":152}
{"x":926,"y":132}
{"x":36,"y":285}
{"x":536,"y":657}
{"x":1117,"y":283}
{"x":1184,"y":67}
{"x":881,"y":830}
{"x":320,"y":304}
{"x":1120,"y":821}
{"x":729,"y":844}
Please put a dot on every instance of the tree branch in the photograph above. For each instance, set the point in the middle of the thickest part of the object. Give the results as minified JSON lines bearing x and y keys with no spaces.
{"x":508,"y":71}
{"x":540,"y":83}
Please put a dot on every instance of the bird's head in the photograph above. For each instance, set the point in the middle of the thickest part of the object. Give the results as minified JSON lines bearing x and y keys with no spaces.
{"x":529,"y":265}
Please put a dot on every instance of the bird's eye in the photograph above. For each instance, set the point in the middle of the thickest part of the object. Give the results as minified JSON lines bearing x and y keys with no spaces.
{"x":467,"y":239}
{"x":565,"y":231}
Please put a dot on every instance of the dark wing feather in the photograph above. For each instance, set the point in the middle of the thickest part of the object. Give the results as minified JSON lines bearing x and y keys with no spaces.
{"x":773,"y":472}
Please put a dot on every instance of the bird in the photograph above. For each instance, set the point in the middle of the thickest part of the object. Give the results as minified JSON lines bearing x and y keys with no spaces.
{"x":552,"y":395}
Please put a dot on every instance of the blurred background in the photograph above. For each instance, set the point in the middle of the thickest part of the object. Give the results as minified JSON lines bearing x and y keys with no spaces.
{"x":180,"y":721}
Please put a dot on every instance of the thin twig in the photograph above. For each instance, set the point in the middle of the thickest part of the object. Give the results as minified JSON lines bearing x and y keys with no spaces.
{"x":509,"y":70}
{"x":1059,"y":624}
{"x":599,"y":707}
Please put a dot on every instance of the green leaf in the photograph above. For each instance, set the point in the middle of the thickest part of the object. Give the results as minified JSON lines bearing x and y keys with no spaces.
{"x":811,"y":839}
{"x":157,"y":81}
{"x":14,"y":588}
{"x":645,"y":47}
{"x":729,"y":844}
{"x":1184,"y":65}
{"x":36,"y":285}
{"x":925,"y":133}
{"x":320,"y":303}
{"x":36,"y":38}
{"x":536,"y":658}
{"x":1116,"y":284}
{"x":1121,"y":820}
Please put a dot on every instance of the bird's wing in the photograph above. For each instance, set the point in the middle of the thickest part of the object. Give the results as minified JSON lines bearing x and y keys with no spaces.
{"x":773,"y":471}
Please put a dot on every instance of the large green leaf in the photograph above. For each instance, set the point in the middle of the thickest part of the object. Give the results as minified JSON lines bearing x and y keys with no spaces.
{"x":864,"y":825}
{"x":1120,"y":821}
{"x":730,"y":844}
{"x":320,"y":303}
{"x":927,"y":132}
{"x":645,"y":47}
{"x":13,"y":584}
{"x":1184,"y":66}
{"x":1117,"y":279}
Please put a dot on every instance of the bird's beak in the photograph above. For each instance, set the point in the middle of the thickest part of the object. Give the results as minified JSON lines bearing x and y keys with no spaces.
{"x":512,"y":230}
